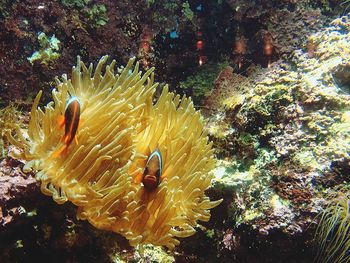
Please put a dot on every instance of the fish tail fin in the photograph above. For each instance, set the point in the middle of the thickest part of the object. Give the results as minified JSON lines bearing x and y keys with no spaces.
{"x":65,"y":151}
{"x":65,"y":139}
{"x":60,"y":121}
{"x":59,"y":152}
{"x":138,"y":178}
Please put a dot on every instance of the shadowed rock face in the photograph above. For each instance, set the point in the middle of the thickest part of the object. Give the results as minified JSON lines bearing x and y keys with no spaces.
{"x":15,"y":190}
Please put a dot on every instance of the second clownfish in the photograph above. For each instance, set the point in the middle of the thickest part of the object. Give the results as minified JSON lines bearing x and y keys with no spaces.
{"x":70,"y":121}
{"x":153,"y":171}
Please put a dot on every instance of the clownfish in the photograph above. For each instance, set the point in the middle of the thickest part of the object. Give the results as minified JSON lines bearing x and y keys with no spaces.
{"x":70,"y":121}
{"x":153,"y":171}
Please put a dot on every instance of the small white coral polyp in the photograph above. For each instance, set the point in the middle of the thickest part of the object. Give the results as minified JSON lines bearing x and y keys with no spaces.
{"x":120,"y":126}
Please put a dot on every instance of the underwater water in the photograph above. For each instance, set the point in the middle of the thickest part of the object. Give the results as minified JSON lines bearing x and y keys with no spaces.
{"x":175,"y":131}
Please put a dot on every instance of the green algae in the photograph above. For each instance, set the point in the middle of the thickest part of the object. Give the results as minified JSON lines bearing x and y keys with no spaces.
{"x":210,"y":233}
{"x":97,"y":15}
{"x":201,"y":83}
{"x":186,"y":11}
{"x":75,"y":3}
{"x":250,"y":215}
{"x":48,"y":51}
{"x":171,"y":14}
{"x":154,"y":254}
{"x":251,"y":181}
{"x":306,"y":158}
{"x":265,"y":99}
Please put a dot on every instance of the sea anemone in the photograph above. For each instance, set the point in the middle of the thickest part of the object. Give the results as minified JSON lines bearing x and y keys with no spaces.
{"x":333,"y":232}
{"x":346,"y":5}
{"x":102,"y":172}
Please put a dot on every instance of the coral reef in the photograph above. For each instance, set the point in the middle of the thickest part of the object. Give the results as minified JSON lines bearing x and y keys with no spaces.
{"x":284,"y":147}
{"x":278,"y":116}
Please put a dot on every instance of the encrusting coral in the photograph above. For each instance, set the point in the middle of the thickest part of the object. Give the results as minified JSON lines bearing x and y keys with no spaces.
{"x":285,"y":150}
{"x":101,"y":172}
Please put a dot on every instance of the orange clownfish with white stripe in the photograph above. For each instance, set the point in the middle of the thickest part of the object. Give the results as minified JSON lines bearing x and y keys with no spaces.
{"x":71,"y":121}
{"x":153,"y":171}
